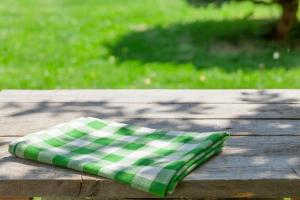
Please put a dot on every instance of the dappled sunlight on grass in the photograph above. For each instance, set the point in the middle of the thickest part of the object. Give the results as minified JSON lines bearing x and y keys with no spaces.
{"x":227,"y":45}
{"x":142,"y":44}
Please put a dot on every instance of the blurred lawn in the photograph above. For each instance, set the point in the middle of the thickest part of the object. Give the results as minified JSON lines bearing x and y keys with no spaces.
{"x":141,"y":44}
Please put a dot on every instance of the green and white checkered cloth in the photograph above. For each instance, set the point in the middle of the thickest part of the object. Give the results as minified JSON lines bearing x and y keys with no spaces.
{"x":146,"y":159}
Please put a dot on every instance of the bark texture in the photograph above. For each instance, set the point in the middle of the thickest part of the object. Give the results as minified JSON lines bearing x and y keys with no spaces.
{"x":287,"y":20}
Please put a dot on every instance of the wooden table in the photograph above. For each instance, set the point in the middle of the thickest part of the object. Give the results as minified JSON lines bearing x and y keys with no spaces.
{"x":261,"y":159}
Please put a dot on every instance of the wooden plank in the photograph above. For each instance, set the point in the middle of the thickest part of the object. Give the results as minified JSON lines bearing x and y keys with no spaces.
{"x":264,"y":167}
{"x":67,"y":198}
{"x":205,"y":188}
{"x":153,"y":96}
{"x":257,"y":166}
{"x":19,"y":177}
{"x":10,"y":126}
{"x":49,"y":187}
{"x":246,"y":165}
{"x":18,"y":198}
{"x":153,"y":110}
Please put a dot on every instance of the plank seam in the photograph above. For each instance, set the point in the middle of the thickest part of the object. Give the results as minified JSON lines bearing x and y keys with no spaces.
{"x":154,"y":102}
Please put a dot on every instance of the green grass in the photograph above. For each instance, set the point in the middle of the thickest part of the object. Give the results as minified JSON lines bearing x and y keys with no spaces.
{"x":141,"y":44}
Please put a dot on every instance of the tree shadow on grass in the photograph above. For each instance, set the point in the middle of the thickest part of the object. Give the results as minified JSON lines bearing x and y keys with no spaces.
{"x":230,"y":45}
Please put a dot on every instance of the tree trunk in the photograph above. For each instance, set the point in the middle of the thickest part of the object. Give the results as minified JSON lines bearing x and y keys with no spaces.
{"x":287,"y":20}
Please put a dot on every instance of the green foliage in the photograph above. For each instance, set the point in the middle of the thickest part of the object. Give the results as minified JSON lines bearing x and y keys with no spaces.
{"x":141,"y":44}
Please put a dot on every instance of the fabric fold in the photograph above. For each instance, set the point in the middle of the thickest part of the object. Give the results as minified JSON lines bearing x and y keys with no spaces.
{"x":147,"y":159}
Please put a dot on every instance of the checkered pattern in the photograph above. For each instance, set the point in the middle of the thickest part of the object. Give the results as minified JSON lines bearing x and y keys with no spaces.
{"x":146,"y":159}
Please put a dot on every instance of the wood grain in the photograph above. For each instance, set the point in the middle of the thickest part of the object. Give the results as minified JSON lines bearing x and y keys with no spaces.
{"x":15,"y":198}
{"x":260,"y":160}
{"x":151,"y":110}
{"x":245,"y":163}
{"x":19,"y":177}
{"x":153,"y":96}
{"x":20,"y":127}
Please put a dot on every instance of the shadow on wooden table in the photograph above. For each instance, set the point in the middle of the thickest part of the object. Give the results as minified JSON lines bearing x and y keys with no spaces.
{"x":260,"y":134}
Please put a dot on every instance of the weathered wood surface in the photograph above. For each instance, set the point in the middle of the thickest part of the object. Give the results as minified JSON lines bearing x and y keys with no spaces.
{"x":152,"y":110}
{"x":261,"y":159}
{"x":153,"y":96}
{"x":245,"y":160}
{"x":9,"y":127}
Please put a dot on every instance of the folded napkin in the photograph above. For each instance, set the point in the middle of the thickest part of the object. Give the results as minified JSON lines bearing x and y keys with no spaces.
{"x":146,"y":159}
